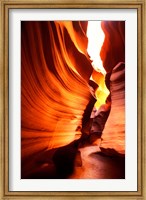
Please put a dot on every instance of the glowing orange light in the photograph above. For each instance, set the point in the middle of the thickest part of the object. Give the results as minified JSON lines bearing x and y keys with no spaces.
{"x":95,"y":40}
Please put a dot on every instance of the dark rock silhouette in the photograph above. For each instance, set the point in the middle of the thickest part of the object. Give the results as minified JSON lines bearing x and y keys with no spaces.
{"x":64,"y":159}
{"x":55,"y":163}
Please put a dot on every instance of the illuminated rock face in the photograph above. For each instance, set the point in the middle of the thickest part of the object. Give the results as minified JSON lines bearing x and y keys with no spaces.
{"x":113,"y":57}
{"x":114,"y":131}
{"x":55,"y":69}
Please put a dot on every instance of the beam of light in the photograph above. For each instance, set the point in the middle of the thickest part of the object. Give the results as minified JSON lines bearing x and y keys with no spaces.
{"x":95,"y":41}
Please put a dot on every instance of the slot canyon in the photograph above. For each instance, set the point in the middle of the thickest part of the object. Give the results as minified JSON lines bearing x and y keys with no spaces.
{"x":72,"y":99}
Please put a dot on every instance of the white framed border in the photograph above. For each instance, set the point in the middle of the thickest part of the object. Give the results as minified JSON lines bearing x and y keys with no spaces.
{"x":15,"y":18}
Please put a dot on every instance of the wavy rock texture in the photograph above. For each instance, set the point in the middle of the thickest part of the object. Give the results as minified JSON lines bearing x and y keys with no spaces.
{"x":55,"y":71}
{"x":114,"y":131}
{"x":113,"y":57}
{"x":54,"y":90}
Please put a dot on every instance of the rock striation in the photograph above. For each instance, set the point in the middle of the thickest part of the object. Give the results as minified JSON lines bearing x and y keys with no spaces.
{"x":55,"y":76}
{"x":114,"y":132}
{"x":55,"y":70}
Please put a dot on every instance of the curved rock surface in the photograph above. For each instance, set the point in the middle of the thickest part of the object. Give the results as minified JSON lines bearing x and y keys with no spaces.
{"x":55,"y":72}
{"x":113,"y":48}
{"x":114,"y":131}
{"x":55,"y":69}
{"x":113,"y":58}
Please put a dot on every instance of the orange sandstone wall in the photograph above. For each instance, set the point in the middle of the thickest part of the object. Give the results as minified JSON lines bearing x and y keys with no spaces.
{"x":113,"y":57}
{"x":113,"y":48}
{"x":55,"y":69}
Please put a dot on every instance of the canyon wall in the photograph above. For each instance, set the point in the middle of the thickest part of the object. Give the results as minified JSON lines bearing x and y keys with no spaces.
{"x":55,"y":70}
{"x":113,"y":58}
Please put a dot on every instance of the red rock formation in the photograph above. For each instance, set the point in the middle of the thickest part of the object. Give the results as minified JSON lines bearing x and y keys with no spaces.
{"x":55,"y":69}
{"x":113,"y":57}
{"x":114,"y":131}
{"x":113,"y":49}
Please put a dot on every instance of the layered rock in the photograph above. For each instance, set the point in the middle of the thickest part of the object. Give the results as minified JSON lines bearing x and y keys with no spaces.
{"x":55,"y":70}
{"x":114,"y":131}
{"x":113,"y":58}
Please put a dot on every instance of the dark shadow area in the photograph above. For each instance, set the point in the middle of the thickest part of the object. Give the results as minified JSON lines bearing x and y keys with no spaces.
{"x":53,"y":164}
{"x":64,"y":159}
{"x":61,"y":163}
{"x":113,"y":164}
{"x":110,"y":152}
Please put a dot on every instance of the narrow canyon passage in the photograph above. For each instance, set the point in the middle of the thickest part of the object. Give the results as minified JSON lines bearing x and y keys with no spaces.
{"x":87,"y":162}
{"x":72,"y":89}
